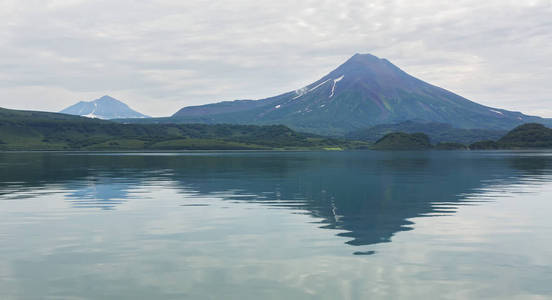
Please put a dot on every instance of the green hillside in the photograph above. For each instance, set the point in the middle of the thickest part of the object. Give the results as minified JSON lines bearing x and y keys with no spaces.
{"x":437,"y":132}
{"x":484,"y":145}
{"x":526,"y":136}
{"x":450,"y":146}
{"x":403,"y":141}
{"x":30,"y":130}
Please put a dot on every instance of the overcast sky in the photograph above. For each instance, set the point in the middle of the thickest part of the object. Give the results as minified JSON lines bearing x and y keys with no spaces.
{"x":158,"y":56}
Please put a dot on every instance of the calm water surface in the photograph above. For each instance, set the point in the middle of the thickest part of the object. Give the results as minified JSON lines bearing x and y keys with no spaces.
{"x":269,"y":225}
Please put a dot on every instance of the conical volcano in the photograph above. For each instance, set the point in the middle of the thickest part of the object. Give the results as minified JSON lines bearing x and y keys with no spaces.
{"x":105,"y":107}
{"x":362,"y":92}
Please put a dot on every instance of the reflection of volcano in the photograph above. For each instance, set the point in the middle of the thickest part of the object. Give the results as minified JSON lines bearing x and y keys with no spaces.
{"x":103,"y":193}
{"x":370,"y":195}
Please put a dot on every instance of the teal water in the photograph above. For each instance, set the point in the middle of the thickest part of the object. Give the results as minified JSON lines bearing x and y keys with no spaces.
{"x":270,"y":225}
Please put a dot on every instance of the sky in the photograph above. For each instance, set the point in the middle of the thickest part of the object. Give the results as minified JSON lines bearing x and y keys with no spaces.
{"x":159,"y":56}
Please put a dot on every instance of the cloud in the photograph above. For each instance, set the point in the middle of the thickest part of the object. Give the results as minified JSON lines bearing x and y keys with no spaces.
{"x":159,"y":56}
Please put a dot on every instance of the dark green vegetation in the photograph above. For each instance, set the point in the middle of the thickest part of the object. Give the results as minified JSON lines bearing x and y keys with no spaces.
{"x":437,"y":132}
{"x":363,"y":92}
{"x":450,"y":146}
{"x":527,"y":136}
{"x":29,"y":130}
{"x":484,"y":145}
{"x":403,"y":141}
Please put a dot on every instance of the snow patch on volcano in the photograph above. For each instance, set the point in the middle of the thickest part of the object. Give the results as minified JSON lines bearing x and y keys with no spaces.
{"x":334,"y":83}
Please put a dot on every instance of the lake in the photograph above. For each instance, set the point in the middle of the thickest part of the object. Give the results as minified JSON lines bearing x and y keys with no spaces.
{"x":276,"y":225}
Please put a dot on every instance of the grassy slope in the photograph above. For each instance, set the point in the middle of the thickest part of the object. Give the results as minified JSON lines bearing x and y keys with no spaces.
{"x":28,"y":130}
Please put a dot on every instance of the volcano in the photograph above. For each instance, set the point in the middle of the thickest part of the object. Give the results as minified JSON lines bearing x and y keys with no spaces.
{"x":362,"y":92}
{"x":105,"y":107}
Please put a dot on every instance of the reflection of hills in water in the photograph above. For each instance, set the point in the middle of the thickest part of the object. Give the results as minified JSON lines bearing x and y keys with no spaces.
{"x":370,"y":195}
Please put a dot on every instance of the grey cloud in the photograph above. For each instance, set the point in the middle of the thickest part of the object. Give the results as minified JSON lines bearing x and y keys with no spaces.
{"x":161,"y":55}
